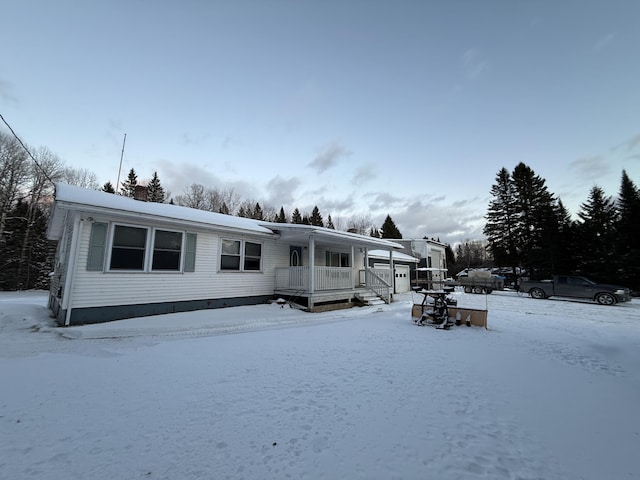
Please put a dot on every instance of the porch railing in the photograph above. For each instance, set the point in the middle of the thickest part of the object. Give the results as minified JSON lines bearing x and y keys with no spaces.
{"x":324,"y":278}
{"x":379,"y":280}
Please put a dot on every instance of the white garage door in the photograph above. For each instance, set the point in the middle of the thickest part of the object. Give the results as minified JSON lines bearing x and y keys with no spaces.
{"x":403,"y":282}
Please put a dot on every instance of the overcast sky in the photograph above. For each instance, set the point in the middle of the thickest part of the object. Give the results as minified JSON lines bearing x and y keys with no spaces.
{"x":407,"y":108}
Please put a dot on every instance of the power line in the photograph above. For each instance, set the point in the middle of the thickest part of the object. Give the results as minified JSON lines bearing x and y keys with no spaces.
{"x":26,"y":149}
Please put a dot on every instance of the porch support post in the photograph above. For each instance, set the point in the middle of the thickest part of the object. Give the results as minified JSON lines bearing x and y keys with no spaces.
{"x":393,"y":275}
{"x":366,"y":266}
{"x":312,"y":264}
{"x":353,"y":264}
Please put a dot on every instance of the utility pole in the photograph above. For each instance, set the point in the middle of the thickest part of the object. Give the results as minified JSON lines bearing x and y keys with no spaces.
{"x":120,"y":167}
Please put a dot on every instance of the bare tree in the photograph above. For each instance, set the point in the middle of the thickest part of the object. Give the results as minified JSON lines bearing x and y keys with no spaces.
{"x":80,"y":177}
{"x":360,"y":223}
{"x":14,"y":174}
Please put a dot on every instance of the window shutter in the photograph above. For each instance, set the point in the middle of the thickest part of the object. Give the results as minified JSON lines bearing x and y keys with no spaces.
{"x":97,"y":247}
{"x":190,"y":253}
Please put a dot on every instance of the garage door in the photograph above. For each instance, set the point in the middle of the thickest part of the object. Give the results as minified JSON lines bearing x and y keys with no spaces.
{"x":402,"y":281}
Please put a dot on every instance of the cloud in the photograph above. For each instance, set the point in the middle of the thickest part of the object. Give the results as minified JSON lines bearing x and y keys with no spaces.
{"x":197,"y":140}
{"x":280,"y":191}
{"x":329,"y":156}
{"x":604,"y":42}
{"x":6,"y":92}
{"x":633,"y":142}
{"x":473,"y":63}
{"x":364,"y":173}
{"x":590,"y":168}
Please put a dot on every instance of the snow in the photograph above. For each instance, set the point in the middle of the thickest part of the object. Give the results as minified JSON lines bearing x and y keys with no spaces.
{"x":550,"y":391}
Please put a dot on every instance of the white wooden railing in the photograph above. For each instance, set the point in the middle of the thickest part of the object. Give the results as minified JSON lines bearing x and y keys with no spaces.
{"x":324,"y":278}
{"x":379,"y":280}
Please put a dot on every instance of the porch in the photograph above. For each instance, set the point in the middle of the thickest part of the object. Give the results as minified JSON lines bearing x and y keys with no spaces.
{"x":323,"y":285}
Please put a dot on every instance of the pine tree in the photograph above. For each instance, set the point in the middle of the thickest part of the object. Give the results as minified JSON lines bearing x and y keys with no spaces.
{"x":330,"y":223}
{"x":242,"y":212}
{"x":108,"y":188}
{"x":281,"y":217}
{"x":224,"y":209}
{"x":129,"y":186}
{"x":257,"y":212}
{"x":597,"y":230}
{"x":374,"y":232}
{"x":306,"y":220}
{"x":316,"y":218}
{"x":502,"y":217}
{"x":389,"y":229}
{"x":155,"y":192}
{"x":628,"y":228}
{"x":296,"y":217}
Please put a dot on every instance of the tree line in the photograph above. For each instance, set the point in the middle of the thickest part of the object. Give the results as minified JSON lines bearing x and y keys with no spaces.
{"x":528,"y":227}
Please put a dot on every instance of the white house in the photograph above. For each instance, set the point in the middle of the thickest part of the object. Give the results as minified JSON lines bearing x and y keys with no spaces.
{"x":120,"y":258}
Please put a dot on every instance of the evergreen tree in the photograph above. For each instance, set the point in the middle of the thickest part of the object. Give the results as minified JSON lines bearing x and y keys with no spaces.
{"x":537,"y":223}
{"x":257,"y":212}
{"x":281,"y":217}
{"x":108,"y":188}
{"x":451,"y":260}
{"x":597,"y":231}
{"x":129,"y":186}
{"x":566,"y":241}
{"x":242,"y":212}
{"x":306,"y":220}
{"x":628,"y":228}
{"x":389,"y":229}
{"x":26,"y":256}
{"x":296,"y":217}
{"x":374,"y":232}
{"x":502,"y":218}
{"x":316,"y":218}
{"x":224,"y":209}
{"x":155,"y":192}
{"x":330,"y":223}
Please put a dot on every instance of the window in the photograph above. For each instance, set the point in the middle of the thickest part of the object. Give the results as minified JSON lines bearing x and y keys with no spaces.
{"x":167,"y":250}
{"x":337,"y":259}
{"x":252,"y":256}
{"x":237,"y":255}
{"x":141,"y":249}
{"x":230,"y":257}
{"x":128,"y":248}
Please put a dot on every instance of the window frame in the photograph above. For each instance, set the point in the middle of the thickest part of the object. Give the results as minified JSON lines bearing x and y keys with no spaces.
{"x":112,"y":236}
{"x":241,"y":256}
{"x":181,"y":252}
{"x":149,"y":249}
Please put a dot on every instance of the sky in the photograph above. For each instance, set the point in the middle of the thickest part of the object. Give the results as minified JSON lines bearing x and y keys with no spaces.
{"x":363,"y":108}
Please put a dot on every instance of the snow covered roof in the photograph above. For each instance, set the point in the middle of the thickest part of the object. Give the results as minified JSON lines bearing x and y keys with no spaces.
{"x":299,"y":232}
{"x":92,"y":201}
{"x":69,"y":197}
{"x":397,"y":256}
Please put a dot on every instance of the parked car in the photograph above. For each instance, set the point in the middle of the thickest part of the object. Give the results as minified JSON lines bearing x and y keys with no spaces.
{"x":576,"y":287}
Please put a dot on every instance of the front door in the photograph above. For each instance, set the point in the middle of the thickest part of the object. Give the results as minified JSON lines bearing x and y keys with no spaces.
{"x":295,"y":256}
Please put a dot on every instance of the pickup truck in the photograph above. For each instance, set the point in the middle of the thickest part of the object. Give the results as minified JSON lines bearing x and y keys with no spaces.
{"x":576,"y":287}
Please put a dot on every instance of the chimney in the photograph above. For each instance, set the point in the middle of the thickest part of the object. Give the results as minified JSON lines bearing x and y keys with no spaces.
{"x":140,"y":193}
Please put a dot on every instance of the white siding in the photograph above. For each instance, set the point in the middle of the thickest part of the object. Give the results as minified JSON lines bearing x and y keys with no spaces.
{"x":122,"y":288}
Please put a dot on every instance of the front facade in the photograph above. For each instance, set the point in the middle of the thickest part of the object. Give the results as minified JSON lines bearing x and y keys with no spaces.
{"x":121,"y":258}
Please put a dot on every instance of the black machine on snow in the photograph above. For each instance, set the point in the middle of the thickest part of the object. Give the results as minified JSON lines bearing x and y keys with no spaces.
{"x":440,"y":310}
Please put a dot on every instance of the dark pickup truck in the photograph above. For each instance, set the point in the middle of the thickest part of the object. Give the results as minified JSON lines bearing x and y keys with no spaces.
{"x":576,"y":287}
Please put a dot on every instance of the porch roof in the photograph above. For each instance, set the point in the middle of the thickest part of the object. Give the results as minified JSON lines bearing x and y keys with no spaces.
{"x":293,"y":232}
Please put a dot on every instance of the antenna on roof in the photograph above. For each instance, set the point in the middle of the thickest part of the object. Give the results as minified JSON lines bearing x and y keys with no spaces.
{"x":120,"y":167}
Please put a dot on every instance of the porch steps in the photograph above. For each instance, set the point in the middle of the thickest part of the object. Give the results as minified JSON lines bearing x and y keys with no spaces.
{"x":370,"y":298}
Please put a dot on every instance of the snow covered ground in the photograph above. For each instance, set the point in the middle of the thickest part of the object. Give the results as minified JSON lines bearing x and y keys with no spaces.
{"x":550,"y":391}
